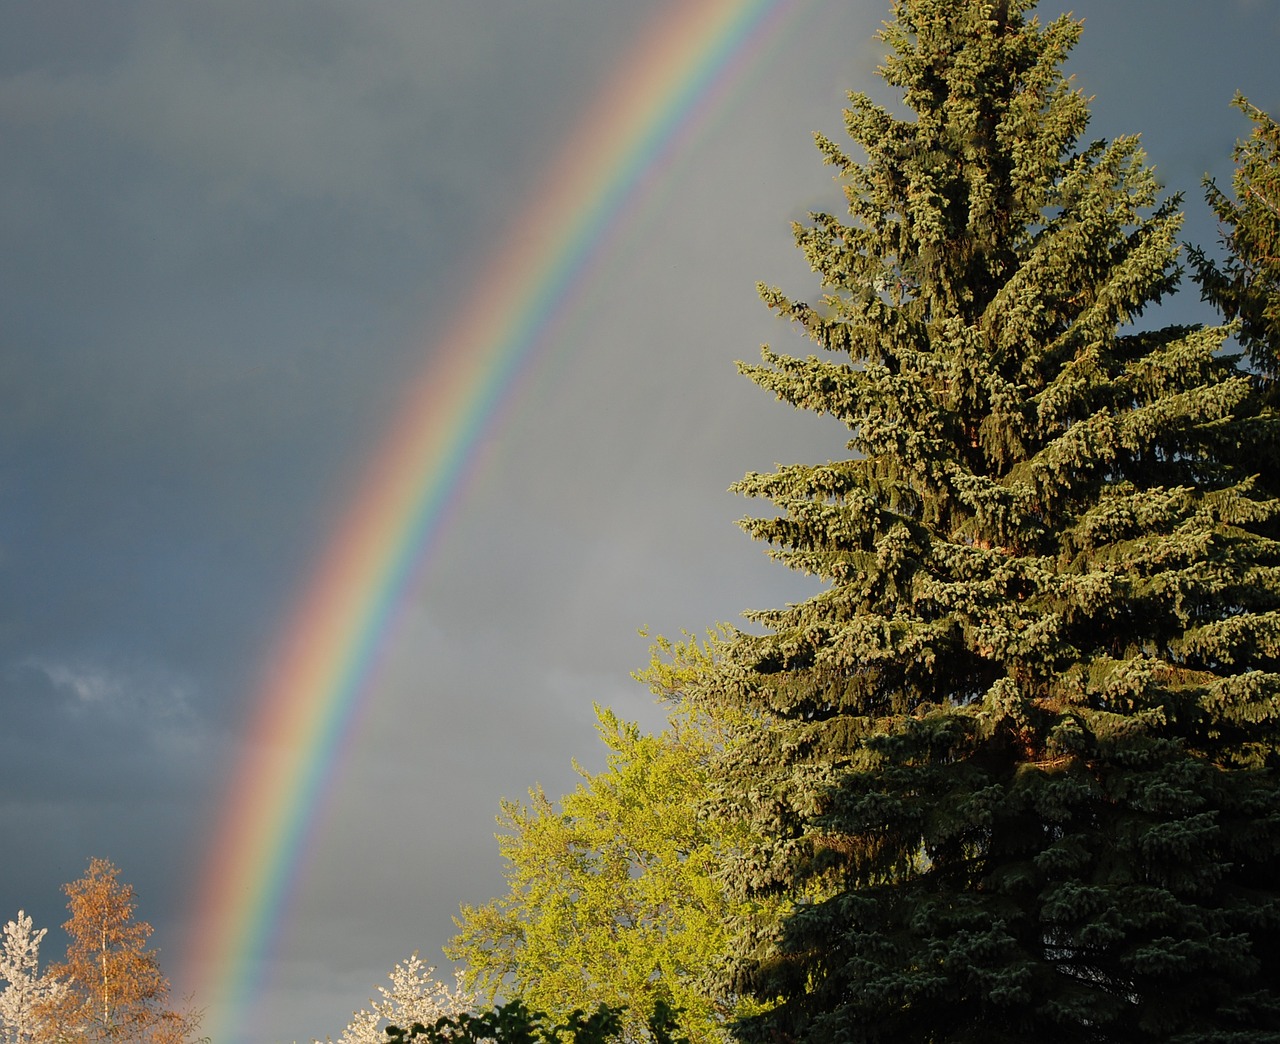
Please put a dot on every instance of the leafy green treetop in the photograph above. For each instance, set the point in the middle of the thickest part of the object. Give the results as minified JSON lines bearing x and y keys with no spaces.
{"x":612,"y":894}
{"x":1015,"y":763}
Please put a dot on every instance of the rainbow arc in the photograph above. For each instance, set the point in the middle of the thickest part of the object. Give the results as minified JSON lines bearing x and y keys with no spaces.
{"x":662,"y":94}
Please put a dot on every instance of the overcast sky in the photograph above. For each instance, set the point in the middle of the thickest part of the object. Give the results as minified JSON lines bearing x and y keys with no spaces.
{"x":227,"y":233}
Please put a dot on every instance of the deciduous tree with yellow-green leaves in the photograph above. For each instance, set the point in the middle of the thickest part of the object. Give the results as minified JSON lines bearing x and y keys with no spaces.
{"x":613,"y":896}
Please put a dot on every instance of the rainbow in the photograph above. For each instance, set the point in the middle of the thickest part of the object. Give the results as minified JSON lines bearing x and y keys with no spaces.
{"x":674,"y":78}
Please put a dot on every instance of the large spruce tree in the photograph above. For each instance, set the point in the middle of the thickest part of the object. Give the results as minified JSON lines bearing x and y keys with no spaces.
{"x":1016,"y":762}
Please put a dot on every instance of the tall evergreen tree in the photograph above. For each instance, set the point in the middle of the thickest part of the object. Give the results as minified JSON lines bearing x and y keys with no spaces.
{"x":1016,"y":762}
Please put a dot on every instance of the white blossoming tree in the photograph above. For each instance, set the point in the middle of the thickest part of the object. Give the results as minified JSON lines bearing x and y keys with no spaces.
{"x":414,"y":996}
{"x":24,"y":986}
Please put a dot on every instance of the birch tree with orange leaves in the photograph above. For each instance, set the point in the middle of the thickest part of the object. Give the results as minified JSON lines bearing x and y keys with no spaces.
{"x":114,"y":989}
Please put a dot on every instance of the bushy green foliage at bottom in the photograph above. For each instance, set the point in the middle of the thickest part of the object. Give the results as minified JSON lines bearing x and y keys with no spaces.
{"x":516,"y":1023}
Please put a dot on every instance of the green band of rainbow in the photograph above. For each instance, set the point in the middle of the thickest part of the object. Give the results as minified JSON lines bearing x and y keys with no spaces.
{"x":674,"y":77}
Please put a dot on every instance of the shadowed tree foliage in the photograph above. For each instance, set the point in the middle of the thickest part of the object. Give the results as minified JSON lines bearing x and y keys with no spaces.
{"x":516,"y":1023}
{"x":1016,"y":762}
{"x":1246,"y":285}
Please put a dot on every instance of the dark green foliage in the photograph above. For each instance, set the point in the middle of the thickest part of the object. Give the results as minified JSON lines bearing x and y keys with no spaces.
{"x":515,"y":1023}
{"x":1016,"y":763}
{"x":1246,"y":285}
